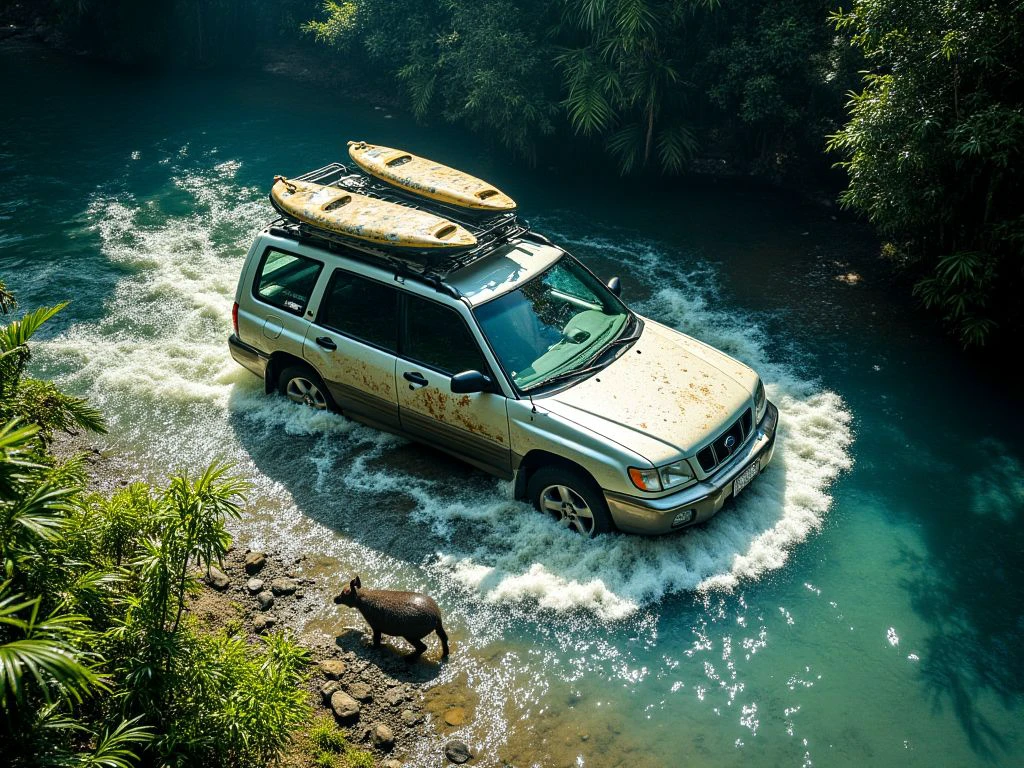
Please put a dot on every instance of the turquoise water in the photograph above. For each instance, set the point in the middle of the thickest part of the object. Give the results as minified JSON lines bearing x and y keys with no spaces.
{"x":860,"y":605}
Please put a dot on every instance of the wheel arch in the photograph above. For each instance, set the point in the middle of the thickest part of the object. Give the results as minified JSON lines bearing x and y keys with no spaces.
{"x":277,"y":363}
{"x":538,"y":458}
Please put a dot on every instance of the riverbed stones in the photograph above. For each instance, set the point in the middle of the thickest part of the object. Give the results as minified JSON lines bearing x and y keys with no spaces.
{"x":410,"y":717}
{"x":254,"y":586}
{"x":457,"y":751}
{"x":391,"y":764}
{"x":327,"y":690}
{"x":455,"y":716}
{"x":282,"y":587}
{"x":382,"y":737}
{"x":344,"y":706}
{"x":333,"y":669}
{"x":360,"y":691}
{"x":394,"y":696}
{"x":254,"y":562}
{"x":217,"y":579}
{"x":264,"y":623}
{"x":265,"y":600}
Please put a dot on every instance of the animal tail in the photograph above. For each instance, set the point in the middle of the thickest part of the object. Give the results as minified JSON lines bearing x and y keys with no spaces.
{"x":444,"y":637}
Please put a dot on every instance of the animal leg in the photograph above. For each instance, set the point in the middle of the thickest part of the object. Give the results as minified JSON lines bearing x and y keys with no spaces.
{"x":418,"y":644}
{"x":444,"y":639}
{"x":376,"y":638}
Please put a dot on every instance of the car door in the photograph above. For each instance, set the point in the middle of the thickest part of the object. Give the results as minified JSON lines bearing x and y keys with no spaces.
{"x":353,"y":342}
{"x":437,"y":344}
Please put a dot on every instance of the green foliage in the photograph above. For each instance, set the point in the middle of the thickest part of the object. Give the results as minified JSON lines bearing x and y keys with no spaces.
{"x":37,"y":402}
{"x":331,"y":749}
{"x":326,"y":735}
{"x":933,"y":147}
{"x":338,"y":25}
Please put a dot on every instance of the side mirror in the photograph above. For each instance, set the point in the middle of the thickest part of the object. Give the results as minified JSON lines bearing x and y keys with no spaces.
{"x":615,"y":286}
{"x":468,"y":382}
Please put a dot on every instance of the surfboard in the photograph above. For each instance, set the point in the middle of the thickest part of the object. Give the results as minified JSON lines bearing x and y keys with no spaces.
{"x":429,"y":179}
{"x":366,"y":218}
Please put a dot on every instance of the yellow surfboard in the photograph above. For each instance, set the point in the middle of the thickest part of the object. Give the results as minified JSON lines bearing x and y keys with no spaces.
{"x":429,"y":179}
{"x":366,"y":218}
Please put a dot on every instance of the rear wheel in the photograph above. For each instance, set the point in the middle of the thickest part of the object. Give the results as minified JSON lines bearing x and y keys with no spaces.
{"x":301,"y":384}
{"x":572,"y":498}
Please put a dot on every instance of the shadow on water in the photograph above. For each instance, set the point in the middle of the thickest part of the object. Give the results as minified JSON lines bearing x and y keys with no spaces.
{"x":968,"y":590}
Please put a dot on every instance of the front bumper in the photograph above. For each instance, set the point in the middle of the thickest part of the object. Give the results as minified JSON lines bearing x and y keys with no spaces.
{"x":652,"y":516}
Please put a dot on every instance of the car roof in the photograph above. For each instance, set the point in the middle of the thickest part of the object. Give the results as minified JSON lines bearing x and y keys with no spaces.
{"x":503,"y":270}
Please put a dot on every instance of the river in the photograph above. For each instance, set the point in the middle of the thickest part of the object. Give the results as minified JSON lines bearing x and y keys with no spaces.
{"x":861,"y":604}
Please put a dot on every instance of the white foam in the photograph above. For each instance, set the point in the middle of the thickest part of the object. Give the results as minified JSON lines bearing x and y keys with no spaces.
{"x":157,"y":363}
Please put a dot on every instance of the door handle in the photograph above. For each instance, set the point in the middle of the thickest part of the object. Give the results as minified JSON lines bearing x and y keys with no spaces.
{"x":415,"y":379}
{"x":326,"y":342}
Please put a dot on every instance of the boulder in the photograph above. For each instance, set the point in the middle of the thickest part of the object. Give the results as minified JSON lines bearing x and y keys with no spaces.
{"x":254,"y":562}
{"x":263,"y":623}
{"x":457,"y":752}
{"x":410,"y":717}
{"x":217,"y":579}
{"x":327,"y":690}
{"x":284,"y":587}
{"x":266,"y":600}
{"x":344,"y":706}
{"x":254,"y":586}
{"x":382,"y":737}
{"x":333,"y":669}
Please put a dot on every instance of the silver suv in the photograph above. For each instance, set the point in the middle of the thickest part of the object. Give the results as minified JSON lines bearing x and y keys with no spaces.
{"x":513,"y":357}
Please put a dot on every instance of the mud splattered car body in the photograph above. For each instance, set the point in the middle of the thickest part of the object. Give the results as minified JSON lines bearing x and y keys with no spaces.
{"x":521,"y":363}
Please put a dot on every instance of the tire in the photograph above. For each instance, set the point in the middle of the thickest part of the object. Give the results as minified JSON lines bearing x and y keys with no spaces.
{"x":572,"y":498}
{"x":301,"y":384}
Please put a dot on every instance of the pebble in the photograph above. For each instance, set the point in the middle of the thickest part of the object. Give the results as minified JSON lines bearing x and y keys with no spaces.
{"x":332,"y":668}
{"x":217,"y":579}
{"x":344,"y":706}
{"x":262,"y":623}
{"x":360,"y":691}
{"x":382,"y":737}
{"x":254,"y":586}
{"x":457,"y":752}
{"x":254,"y":562}
{"x":394,"y":697}
{"x":283,"y":586}
{"x":266,"y":600}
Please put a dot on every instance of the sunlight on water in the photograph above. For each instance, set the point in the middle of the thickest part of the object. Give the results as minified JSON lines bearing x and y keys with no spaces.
{"x":158,"y":365}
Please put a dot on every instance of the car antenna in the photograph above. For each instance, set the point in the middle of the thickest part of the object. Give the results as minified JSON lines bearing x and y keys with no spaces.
{"x":533,"y":408}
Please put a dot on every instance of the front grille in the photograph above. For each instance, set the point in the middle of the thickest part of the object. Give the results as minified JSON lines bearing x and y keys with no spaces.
{"x":711,"y":456}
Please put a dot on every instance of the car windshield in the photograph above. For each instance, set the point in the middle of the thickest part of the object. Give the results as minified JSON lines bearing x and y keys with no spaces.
{"x":552,"y":325}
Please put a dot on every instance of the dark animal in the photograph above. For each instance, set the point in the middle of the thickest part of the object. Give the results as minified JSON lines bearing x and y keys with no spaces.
{"x":405,"y":614}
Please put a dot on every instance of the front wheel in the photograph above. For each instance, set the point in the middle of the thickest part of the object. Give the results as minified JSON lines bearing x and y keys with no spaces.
{"x":301,"y":384}
{"x":572,"y":498}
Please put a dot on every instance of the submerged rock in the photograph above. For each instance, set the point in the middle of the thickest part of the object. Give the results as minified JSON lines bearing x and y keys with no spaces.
{"x":455,"y":716}
{"x":457,"y":752}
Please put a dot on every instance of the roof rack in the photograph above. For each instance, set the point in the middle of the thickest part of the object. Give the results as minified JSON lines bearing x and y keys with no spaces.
{"x":431,"y":265}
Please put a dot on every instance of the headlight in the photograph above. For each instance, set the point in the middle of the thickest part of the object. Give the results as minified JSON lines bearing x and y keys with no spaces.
{"x":675,"y":474}
{"x":760,"y":401}
{"x":661,"y":478}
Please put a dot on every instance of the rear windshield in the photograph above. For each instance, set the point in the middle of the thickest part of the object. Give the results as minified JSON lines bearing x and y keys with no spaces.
{"x":286,"y":281}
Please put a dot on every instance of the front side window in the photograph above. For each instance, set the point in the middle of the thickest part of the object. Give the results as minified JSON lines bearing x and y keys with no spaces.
{"x":438,"y":337}
{"x":286,"y":281}
{"x":361,"y":308}
{"x":552,"y":325}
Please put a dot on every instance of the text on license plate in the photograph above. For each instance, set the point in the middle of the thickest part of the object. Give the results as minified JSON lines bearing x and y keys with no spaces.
{"x":743,"y":479}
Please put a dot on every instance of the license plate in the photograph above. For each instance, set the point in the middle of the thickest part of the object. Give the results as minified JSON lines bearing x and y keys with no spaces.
{"x":744,"y":477}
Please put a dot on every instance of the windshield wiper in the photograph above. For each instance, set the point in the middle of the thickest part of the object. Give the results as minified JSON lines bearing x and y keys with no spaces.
{"x":568,"y":375}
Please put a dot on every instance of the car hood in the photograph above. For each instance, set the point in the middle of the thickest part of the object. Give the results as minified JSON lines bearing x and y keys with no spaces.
{"x":667,"y":395}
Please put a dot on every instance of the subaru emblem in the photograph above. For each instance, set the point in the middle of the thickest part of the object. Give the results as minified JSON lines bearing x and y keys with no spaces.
{"x":730,"y":443}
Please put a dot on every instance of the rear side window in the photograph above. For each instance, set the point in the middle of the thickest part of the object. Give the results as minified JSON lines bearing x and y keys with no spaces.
{"x":361,"y":308}
{"x":438,"y":337}
{"x":286,"y":281}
